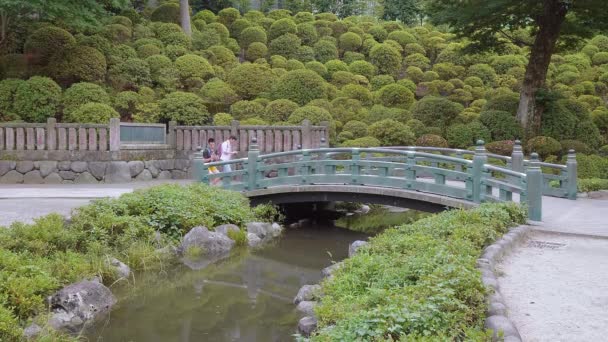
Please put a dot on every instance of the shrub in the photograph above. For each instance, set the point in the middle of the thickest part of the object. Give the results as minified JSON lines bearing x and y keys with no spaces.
{"x":254,"y":121}
{"x":485,"y":72}
{"x":130,"y":74}
{"x":227,"y":16}
{"x":308,"y":34}
{"x":147,"y":50}
{"x":252,"y":35}
{"x":591,"y":166}
{"x":325,"y":51}
{"x":505,"y":62}
{"x":358,"y":92}
{"x":392,"y":133}
{"x":45,"y":42}
{"x":316,"y":115}
{"x":286,"y":45}
{"x":502,"y":125}
{"x":251,"y":80}
{"x":93,"y":112}
{"x":466,"y":135}
{"x":193,"y":66}
{"x":588,"y":133}
{"x":577,"y":146}
{"x":592,"y":184}
{"x":603,"y":151}
{"x":504,"y":102}
{"x":13,"y":65}
{"x":166,"y":13}
{"x":256,"y":51}
{"x":357,"y":128}
{"x":417,"y":60}
{"x":361,"y":142}
{"x":502,"y":147}
{"x":432,"y":140}
{"x":300,"y":86}
{"x":117,"y":33}
{"x":246,"y":109}
{"x":79,"y":94}
{"x":222,"y":119}
{"x":544,"y":146}
{"x":350,"y":41}
{"x":436,"y":111}
{"x":37,"y":99}
{"x":380,"y":81}
{"x":281,"y":27}
{"x":363,"y":68}
{"x":120,"y":53}
{"x":386,"y":59}
{"x":279,"y":110}
{"x":396,"y":95}
{"x":402,"y":37}
{"x":8,"y":89}
{"x":219,"y":93}
{"x":184,"y":108}
{"x":78,"y":64}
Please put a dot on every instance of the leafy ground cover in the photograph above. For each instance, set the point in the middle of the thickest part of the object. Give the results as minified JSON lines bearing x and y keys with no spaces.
{"x":417,"y":281}
{"x":592,"y":184}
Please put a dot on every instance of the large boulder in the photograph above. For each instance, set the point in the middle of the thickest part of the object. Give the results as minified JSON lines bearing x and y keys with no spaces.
{"x":78,"y":305}
{"x":47,"y":167}
{"x":210,"y":243}
{"x":307,"y":307}
{"x":118,"y":172}
{"x":120,"y":268}
{"x":98,"y":169}
{"x":33,"y":177}
{"x":85,"y":178}
{"x":329,"y":270}
{"x":25,"y":166}
{"x":307,"y":325}
{"x":144,"y":176}
{"x":225,"y":228}
{"x":264,"y":229}
{"x":79,"y":166}
{"x":353,"y":247}
{"x":136,"y":167}
{"x":253,"y":240}
{"x":6,"y":166}
{"x":32,"y":331}
{"x":307,"y":293}
{"x":12,"y":177}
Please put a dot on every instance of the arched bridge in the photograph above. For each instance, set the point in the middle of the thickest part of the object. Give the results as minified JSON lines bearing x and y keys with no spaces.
{"x":415,"y":177}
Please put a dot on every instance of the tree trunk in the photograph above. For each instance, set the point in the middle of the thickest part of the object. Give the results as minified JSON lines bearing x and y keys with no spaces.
{"x":549,"y":25}
{"x":184,"y":16}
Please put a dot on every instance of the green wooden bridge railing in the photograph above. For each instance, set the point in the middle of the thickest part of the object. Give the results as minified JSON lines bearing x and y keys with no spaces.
{"x":446,"y":172}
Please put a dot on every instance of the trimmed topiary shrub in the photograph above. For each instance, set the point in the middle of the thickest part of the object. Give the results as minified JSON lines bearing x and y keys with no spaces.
{"x":436,"y":111}
{"x":286,"y":45}
{"x":544,"y":146}
{"x":431,"y":140}
{"x":418,"y":60}
{"x":45,"y":42}
{"x":222,"y":119}
{"x":466,"y":135}
{"x":246,"y":109}
{"x":147,"y":50}
{"x":386,"y":59}
{"x":392,"y":133}
{"x":357,"y":128}
{"x":183,"y":108}
{"x":37,"y":99}
{"x":315,"y":114}
{"x":502,"y":147}
{"x":252,"y":35}
{"x":396,"y":95}
{"x":166,"y":13}
{"x":588,"y":133}
{"x":504,"y":102}
{"x":217,"y":94}
{"x":256,"y":51}
{"x":93,"y":112}
{"x":361,"y":142}
{"x":79,"y":94}
{"x":308,"y":34}
{"x":279,"y":110}
{"x":227,"y":16}
{"x":380,"y":81}
{"x":363,"y":68}
{"x":350,"y":41}
{"x":117,"y":33}
{"x":8,"y":89}
{"x":78,"y":64}
{"x":300,"y":86}
{"x":193,"y":66}
{"x":502,"y":125}
{"x":251,"y":80}
{"x":485,"y":72}
{"x":577,"y":146}
{"x":325,"y":51}
{"x":402,"y":37}
{"x":281,"y":27}
{"x":130,"y":74}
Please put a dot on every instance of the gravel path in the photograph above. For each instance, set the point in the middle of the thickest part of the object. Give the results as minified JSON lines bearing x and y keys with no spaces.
{"x":558,"y":291}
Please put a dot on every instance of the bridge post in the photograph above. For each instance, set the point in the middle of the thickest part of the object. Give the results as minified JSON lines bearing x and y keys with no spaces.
{"x":517,"y":157}
{"x":571,"y":168}
{"x":410,"y":169}
{"x":306,"y":137}
{"x":479,"y":160}
{"x":201,"y":171}
{"x":534,"y":181}
{"x":355,"y":168}
{"x":252,"y":164}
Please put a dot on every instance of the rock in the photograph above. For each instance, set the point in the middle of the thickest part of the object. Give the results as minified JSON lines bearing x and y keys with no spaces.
{"x":64,"y":166}
{"x":98,"y":169}
{"x":164,"y":175}
{"x":512,"y":339}
{"x":501,"y":323}
{"x":353,"y":247}
{"x":253,"y":240}
{"x":79,"y":303}
{"x":225,"y":228}
{"x":490,"y":282}
{"x":261,"y":229}
{"x":6,"y":166}
{"x":12,"y":177}
{"x":182,"y":164}
{"x":363,"y":209}
{"x":294,"y":225}
{"x":136,"y":167}
{"x":177,"y":174}
{"x":79,"y":166}
{"x":25,"y":166}
{"x":118,"y":172}
{"x":67,"y":182}
{"x":33,"y":177}
{"x":85,"y":178}
{"x":32,"y":331}
{"x":47,"y":167}
{"x":166,"y":164}
{"x":53,"y":178}
{"x":276,"y":229}
{"x":210,"y":243}
{"x":145,"y":175}
{"x":307,"y":307}
{"x":497,"y":309}
{"x":152,"y":166}
{"x":121,"y":269}
{"x":307,"y":293}
{"x":68,"y":175}
{"x":307,"y":325}
{"x":329,"y":270}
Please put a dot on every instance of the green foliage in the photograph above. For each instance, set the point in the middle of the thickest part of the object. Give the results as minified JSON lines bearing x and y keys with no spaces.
{"x":193,"y":67}
{"x":592,"y":184}
{"x":8,"y":90}
{"x":386,"y":59}
{"x":78,"y":64}
{"x":427,"y":267}
{"x":314,"y":114}
{"x":325,"y":51}
{"x":268,"y":213}
{"x":222,"y":119}
{"x":432,"y":140}
{"x":251,"y":35}
{"x":251,"y":80}
{"x":130,"y":74}
{"x":392,"y":133}
{"x":79,"y":94}
{"x":219,"y":93}
{"x":436,"y":111}
{"x":300,"y":86}
{"x":396,"y":95}
{"x":246,"y":109}
{"x":37,"y":99}
{"x":588,"y":133}
{"x":43,"y":43}
{"x":505,"y":102}
{"x":357,"y":128}
{"x":466,"y":135}
{"x":577,"y":146}
{"x":281,"y":27}
{"x":166,"y":13}
{"x":592,"y":166}
{"x":502,"y":125}
{"x":184,"y":108}
{"x":544,"y":146}
{"x":93,"y":112}
{"x":286,"y":45}
{"x":350,"y":41}
{"x":361,"y":142}
{"x":279,"y":110}
{"x":502,"y":147}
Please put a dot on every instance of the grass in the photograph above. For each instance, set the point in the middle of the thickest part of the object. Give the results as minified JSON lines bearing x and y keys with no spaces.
{"x":378,"y":219}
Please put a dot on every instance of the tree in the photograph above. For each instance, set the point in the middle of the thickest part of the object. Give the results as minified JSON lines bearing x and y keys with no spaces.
{"x":489,"y":25}
{"x":184,"y":17}
{"x":407,"y":11}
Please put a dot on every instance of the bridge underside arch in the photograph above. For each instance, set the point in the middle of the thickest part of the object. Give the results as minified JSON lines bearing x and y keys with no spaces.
{"x":289,"y":194}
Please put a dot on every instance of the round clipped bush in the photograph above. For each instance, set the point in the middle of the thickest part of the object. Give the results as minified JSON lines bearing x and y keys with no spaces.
{"x":93,"y":112}
{"x":502,"y":147}
{"x":191,"y":66}
{"x":544,"y":146}
{"x":279,"y":110}
{"x":117,"y":33}
{"x":436,"y":111}
{"x":466,"y":135}
{"x":45,"y":42}
{"x":251,"y":80}
{"x":392,"y":133}
{"x":362,"y":142}
{"x":183,"y":108}
{"x":577,"y":146}
{"x":130,"y":74}
{"x":281,"y":27}
{"x":386,"y":59}
{"x":396,"y":95}
{"x":147,"y":50}
{"x":78,"y":64}
{"x":314,"y":114}
{"x":222,"y":119}
{"x":8,"y":88}
{"x":502,"y":125}
{"x":251,"y":35}
{"x":431,"y":140}
{"x":227,"y":16}
{"x":286,"y":45}
{"x":218,"y":92}
{"x":484,"y":71}
{"x":79,"y":94}
{"x":402,"y":37}
{"x":588,"y":133}
{"x":380,"y":81}
{"x":300,"y":86}
{"x":325,"y":51}
{"x":345,"y":136}
{"x":166,"y":13}
{"x":504,"y":102}
{"x":37,"y":99}
{"x":363,"y":68}
{"x":246,"y":109}
{"x":357,"y":128}
{"x":256,"y":51}
{"x":350,"y":41}
{"x":308,"y":34}
{"x":418,"y":60}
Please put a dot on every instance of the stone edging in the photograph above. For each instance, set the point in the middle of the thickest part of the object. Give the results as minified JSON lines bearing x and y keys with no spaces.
{"x":497,"y":318}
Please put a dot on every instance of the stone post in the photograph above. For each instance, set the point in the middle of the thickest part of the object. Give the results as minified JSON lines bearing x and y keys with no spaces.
{"x":201,"y":171}
{"x":171,"y":134}
{"x":326,"y":131}
{"x":51,"y":134}
{"x":234,"y":128}
{"x":479,"y":160}
{"x":306,"y":137}
{"x":534,"y":183}
{"x":114,"y":135}
{"x":252,"y":163}
{"x":571,"y":167}
{"x":517,"y":157}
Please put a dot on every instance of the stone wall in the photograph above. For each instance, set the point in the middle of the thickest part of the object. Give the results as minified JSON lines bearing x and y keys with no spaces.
{"x":55,"y":172}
